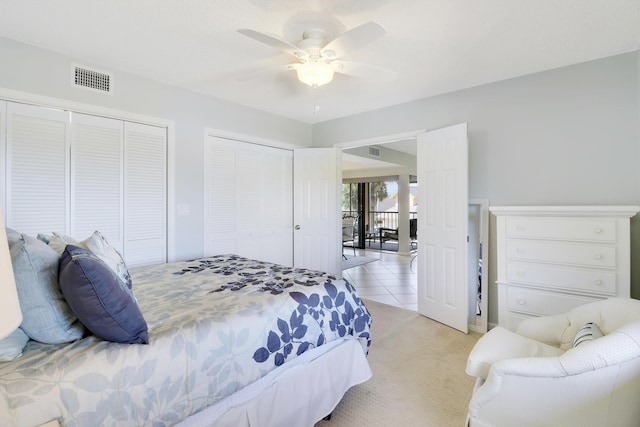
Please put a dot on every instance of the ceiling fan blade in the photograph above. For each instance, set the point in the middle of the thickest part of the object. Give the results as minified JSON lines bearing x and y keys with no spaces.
{"x":363,"y":71}
{"x":355,"y":38}
{"x":273,"y":41}
{"x":265,"y":72}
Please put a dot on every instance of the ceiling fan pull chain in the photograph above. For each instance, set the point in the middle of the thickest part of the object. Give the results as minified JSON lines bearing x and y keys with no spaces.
{"x":316,"y":105}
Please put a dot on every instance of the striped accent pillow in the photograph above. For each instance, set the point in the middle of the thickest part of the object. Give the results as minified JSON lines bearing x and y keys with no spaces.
{"x":588,"y":332}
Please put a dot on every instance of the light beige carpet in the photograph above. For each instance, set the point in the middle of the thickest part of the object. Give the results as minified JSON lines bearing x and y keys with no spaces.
{"x":418,"y":378}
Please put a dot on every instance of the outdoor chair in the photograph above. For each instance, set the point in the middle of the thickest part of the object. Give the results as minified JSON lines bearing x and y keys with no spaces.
{"x":387,"y":234}
{"x":349,"y":233}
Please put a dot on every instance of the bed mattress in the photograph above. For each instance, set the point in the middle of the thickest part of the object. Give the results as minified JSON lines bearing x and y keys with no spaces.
{"x":216,"y":325}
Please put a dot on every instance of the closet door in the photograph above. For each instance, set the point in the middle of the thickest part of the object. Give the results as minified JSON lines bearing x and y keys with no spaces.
{"x":97,"y":178}
{"x":145,"y":194}
{"x":276,"y":191}
{"x":248,"y":197}
{"x":264,"y":203}
{"x":220,"y":197}
{"x":37,"y":169}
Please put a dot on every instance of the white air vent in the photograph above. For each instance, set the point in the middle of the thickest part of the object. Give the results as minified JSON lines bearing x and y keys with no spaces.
{"x":86,"y":78}
{"x":374,"y":151}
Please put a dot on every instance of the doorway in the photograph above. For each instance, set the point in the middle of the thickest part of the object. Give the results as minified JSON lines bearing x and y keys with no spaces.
{"x":463,"y":306}
{"x":376,"y":205}
{"x":354,"y":206}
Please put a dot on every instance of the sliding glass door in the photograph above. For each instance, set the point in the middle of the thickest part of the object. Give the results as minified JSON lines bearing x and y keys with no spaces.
{"x":353,"y":205}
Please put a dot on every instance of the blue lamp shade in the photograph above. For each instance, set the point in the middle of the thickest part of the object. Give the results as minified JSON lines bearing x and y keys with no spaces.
{"x":10,"y":314}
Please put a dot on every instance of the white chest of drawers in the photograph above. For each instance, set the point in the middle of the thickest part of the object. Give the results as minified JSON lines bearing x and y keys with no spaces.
{"x":553,"y":258}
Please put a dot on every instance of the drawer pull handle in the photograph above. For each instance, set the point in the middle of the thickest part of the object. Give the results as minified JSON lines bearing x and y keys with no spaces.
{"x":597,"y":256}
{"x":521,"y":301}
{"x":598,"y":230}
{"x":598,"y":282}
{"x":520,"y":227}
{"x":520,"y":273}
{"x":520,"y":250}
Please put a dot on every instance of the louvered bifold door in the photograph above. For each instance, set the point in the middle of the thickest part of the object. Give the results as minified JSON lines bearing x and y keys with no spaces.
{"x":277,"y":204}
{"x":248,"y":200}
{"x":221,"y":188}
{"x":249,"y":208}
{"x":97,"y":178}
{"x":145,"y":188}
{"x":265,"y":203}
{"x":37,"y":174}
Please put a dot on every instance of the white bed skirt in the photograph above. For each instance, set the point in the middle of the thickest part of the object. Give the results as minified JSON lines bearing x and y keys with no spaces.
{"x":303,"y":393}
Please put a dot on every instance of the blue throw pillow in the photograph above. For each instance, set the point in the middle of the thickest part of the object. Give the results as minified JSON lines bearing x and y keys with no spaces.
{"x":102,"y":302}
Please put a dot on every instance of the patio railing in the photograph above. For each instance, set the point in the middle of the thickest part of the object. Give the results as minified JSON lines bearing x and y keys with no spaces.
{"x":377,"y":219}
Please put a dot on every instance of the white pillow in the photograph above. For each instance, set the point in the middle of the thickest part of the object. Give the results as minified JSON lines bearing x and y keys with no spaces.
{"x":97,"y":244}
{"x":11,"y":346}
{"x":588,"y":332}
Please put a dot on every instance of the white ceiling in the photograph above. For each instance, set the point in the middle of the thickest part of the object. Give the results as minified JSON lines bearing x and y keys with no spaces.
{"x":435,"y":46}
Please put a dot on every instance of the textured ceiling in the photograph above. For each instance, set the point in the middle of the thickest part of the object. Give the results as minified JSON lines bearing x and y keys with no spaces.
{"x":435,"y":46}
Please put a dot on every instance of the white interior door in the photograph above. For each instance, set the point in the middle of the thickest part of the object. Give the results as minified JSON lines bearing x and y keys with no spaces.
{"x":443,"y":221}
{"x":145,"y":194}
{"x":37,"y":169}
{"x":249,"y":200}
{"x":97,"y":178}
{"x":317,"y":178}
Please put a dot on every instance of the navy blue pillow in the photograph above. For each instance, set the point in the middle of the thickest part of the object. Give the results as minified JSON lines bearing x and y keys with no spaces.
{"x":100,"y":300}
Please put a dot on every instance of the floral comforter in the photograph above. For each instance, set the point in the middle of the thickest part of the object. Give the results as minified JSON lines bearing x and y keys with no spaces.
{"x":215,"y":325}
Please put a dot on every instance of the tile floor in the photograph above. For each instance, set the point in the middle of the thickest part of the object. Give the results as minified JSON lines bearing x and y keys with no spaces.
{"x":390,"y":280}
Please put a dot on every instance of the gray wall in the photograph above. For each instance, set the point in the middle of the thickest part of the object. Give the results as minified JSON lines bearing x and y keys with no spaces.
{"x":28,"y":69}
{"x":569,"y":136}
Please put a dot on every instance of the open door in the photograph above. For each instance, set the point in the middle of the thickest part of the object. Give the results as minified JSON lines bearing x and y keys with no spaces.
{"x":442,"y":221}
{"x":317,"y":181}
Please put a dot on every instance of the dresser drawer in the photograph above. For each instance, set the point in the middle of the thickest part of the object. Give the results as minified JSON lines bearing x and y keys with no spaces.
{"x":588,"y":255}
{"x":541,"y":303}
{"x":576,"y":279}
{"x":578,"y":229}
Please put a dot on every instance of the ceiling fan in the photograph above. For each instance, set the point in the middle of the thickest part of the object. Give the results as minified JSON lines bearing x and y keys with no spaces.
{"x":319,"y":58}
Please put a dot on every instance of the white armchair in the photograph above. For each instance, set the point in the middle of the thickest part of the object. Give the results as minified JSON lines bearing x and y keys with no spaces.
{"x":536,"y":377}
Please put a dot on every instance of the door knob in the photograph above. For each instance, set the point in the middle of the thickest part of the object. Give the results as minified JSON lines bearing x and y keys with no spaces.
{"x":297,"y":227}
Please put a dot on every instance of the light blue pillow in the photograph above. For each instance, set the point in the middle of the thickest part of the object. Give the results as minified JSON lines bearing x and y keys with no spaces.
{"x":46,"y":316}
{"x":11,"y":347}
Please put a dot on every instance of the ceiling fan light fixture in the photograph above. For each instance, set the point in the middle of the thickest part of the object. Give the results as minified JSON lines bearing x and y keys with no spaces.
{"x":315,"y":73}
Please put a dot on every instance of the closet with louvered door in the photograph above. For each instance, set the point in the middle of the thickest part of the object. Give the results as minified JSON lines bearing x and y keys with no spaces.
{"x":145,"y":194}
{"x":248,"y":200}
{"x":75,"y":173}
{"x":220,"y":191}
{"x":36,"y":169}
{"x":97,"y":178}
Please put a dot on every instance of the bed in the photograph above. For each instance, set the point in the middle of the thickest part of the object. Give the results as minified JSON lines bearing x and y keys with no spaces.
{"x":231,"y":341}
